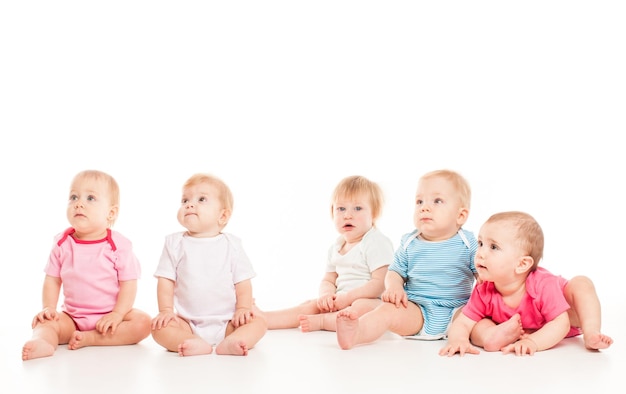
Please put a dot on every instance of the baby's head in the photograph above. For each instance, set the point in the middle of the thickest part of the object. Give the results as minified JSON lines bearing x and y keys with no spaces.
{"x":442,"y":203}
{"x":528,"y":235}
{"x":206,"y":205}
{"x":94,"y":181}
{"x":458,"y":183}
{"x":358,"y":187}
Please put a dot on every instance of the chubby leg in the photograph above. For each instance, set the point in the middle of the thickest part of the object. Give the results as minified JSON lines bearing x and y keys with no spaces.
{"x":585,"y":312}
{"x":492,"y":337}
{"x":47,"y":336}
{"x":289,"y":318}
{"x":353,"y":330}
{"x":134,"y":328}
{"x":238,"y":341}
{"x":328,"y":321}
{"x":177,"y":336}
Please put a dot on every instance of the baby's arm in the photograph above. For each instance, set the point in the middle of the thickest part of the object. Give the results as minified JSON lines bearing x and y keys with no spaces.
{"x":326,"y":299}
{"x":50,"y":299}
{"x":544,"y":338}
{"x":243,"y":307}
{"x":458,"y":337}
{"x":165,"y":302}
{"x":125,"y":301}
{"x":373,"y":288}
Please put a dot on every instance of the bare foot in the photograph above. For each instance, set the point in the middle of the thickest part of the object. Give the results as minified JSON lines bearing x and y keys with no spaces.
{"x":232,"y":348}
{"x":194,"y":347}
{"x":80,"y":339}
{"x":310,"y":323}
{"x":504,"y":334}
{"x":597,"y":340}
{"x":36,"y":348}
{"x":347,"y":328}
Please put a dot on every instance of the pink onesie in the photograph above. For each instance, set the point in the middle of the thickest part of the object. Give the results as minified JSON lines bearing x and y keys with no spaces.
{"x":543,"y":301}
{"x":91,"y":272}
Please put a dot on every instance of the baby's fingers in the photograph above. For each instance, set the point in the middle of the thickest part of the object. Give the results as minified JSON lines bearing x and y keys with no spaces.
{"x":446,"y":351}
{"x":102,"y":327}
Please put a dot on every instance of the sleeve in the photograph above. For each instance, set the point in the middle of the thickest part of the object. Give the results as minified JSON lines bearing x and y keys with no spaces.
{"x":551,"y":301}
{"x":53,"y":266}
{"x":476,"y":307}
{"x":378,"y":251}
{"x":400,"y":261}
{"x":473,"y":248}
{"x":127,"y":264}
{"x":168,"y":261}
{"x":330,"y":265}
{"x":242,"y":267}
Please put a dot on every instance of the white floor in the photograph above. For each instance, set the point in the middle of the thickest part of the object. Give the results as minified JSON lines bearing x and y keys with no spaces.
{"x":291,"y":361}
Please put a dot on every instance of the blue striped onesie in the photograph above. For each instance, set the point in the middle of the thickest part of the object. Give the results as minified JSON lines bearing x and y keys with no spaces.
{"x":439,"y":276}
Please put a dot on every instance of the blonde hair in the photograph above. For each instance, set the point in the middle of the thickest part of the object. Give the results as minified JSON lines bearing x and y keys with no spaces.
{"x":108,"y":180}
{"x":357,"y":185}
{"x":225,"y":196}
{"x":529,"y":234}
{"x":459,"y":183}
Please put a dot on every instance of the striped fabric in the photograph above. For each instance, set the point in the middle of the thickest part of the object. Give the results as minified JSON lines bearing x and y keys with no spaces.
{"x":439,"y":276}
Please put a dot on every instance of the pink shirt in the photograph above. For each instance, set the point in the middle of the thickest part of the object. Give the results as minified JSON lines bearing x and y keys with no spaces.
{"x":90,"y":272}
{"x":543,"y":302}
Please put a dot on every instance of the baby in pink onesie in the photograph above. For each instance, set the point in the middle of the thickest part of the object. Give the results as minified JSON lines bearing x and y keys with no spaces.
{"x":97,"y":270}
{"x":520,"y":307}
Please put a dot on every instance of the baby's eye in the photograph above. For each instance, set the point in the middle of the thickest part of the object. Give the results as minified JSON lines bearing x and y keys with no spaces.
{"x":184,"y":201}
{"x":202,"y":199}
{"x":493,"y":247}
{"x":419,"y":202}
{"x":358,"y":208}
{"x":480,"y":244}
{"x":91,"y":198}
{"x":340,"y":209}
{"x":438,"y":201}
{"x":73,"y":197}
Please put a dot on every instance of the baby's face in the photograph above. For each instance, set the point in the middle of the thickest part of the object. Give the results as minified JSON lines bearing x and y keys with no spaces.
{"x":498,"y":252}
{"x":353,"y":217}
{"x":438,"y":212}
{"x":89,"y":209}
{"x":201,"y":211}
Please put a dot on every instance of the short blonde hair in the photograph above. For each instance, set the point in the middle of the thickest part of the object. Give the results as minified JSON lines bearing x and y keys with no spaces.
{"x":225,"y":196}
{"x":458,"y":182}
{"x":357,"y":185}
{"x":529,"y":234}
{"x":108,"y":180}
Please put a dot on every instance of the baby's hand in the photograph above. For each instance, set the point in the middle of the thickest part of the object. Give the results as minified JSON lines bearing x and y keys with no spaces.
{"x":326,"y":303}
{"x":521,"y":347}
{"x":453,"y":348}
{"x":45,"y":314}
{"x":341,"y":301}
{"x":242,"y":316}
{"x":395,"y":296}
{"x":110,"y":321}
{"x":162,"y":319}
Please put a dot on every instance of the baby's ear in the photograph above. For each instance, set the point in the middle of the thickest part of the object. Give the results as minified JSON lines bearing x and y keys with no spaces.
{"x":113,"y":213}
{"x":224,"y":217}
{"x":462,"y":217}
{"x":524,"y":265}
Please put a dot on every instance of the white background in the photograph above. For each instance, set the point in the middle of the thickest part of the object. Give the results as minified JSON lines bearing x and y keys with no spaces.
{"x":284,"y":99}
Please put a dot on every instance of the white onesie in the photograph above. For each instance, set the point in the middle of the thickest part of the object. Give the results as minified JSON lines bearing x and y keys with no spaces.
{"x":205,"y":271}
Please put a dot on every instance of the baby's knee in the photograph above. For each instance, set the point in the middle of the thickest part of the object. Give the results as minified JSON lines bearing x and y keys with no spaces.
{"x":579,"y":282}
